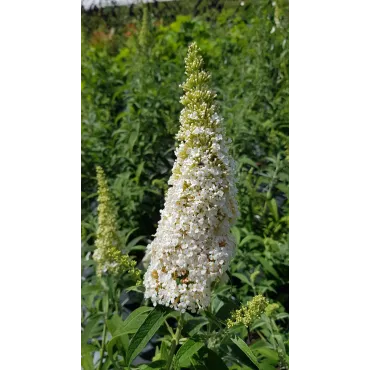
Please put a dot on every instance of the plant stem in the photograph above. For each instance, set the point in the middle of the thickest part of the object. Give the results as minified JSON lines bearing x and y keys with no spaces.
{"x":102,"y":348}
{"x":272,"y":182}
{"x":104,"y":336}
{"x":169,"y":328}
{"x":175,"y":342}
{"x":249,"y":337}
{"x":112,"y":292}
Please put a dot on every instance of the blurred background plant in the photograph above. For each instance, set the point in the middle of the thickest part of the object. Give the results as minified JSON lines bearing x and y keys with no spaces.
{"x":132,"y":65}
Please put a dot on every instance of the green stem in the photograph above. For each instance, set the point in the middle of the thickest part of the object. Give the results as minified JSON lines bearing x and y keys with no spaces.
{"x":169,"y":329}
{"x":104,"y":336}
{"x":175,"y":342}
{"x":249,"y":336}
{"x":102,"y":348}
{"x":272,"y":182}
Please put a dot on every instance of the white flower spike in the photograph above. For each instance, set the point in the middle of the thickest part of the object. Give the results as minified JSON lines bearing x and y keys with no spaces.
{"x":193,"y":245}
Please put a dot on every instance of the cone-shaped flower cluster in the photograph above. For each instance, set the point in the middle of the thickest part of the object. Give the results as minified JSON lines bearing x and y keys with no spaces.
{"x":247,"y":314}
{"x":107,"y":254}
{"x":193,"y":245}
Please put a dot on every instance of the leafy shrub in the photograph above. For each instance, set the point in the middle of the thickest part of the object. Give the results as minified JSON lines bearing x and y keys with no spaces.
{"x":130,"y":110}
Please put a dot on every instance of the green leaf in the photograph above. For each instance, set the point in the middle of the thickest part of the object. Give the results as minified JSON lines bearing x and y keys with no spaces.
{"x":163,"y":350}
{"x":267,"y":267}
{"x":135,"y":288}
{"x":265,"y":365}
{"x":268,"y":353}
{"x":235,"y":231}
{"x":241,"y":277}
{"x":284,"y":188}
{"x":186,"y":351}
{"x":138,"y":248}
{"x":193,"y":325}
{"x":88,"y":289}
{"x":87,"y":362}
{"x":246,"y":160}
{"x":120,"y":329}
{"x":145,"y":332}
{"x":160,"y":364}
{"x":86,"y":349}
{"x":133,"y":138}
{"x":114,"y":323}
{"x":175,"y":315}
{"x":244,"y":347}
{"x":249,"y":238}
{"x":282,"y":315}
{"x":120,"y":342}
{"x":107,"y":364}
{"x":134,"y":241}
{"x":274,"y":209}
{"x":92,"y":322}
{"x":133,"y":321}
{"x":217,"y":303}
{"x":127,"y":236}
{"x":139,"y":170}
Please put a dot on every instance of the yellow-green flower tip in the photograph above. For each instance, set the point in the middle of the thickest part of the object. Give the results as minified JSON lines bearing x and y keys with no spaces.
{"x":107,"y":254}
{"x":248,"y":314}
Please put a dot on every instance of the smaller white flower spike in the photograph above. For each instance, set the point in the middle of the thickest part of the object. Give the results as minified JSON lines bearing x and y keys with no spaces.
{"x":193,"y":245}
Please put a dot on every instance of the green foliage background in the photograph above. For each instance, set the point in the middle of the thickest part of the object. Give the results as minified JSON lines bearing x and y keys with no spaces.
{"x":130,"y":108}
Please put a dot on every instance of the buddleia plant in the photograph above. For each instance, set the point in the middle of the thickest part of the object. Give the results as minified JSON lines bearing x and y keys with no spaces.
{"x":193,"y":245}
{"x":108,"y":256}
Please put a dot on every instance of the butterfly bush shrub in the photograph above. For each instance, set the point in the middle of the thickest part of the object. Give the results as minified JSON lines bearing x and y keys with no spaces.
{"x":219,"y":301}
